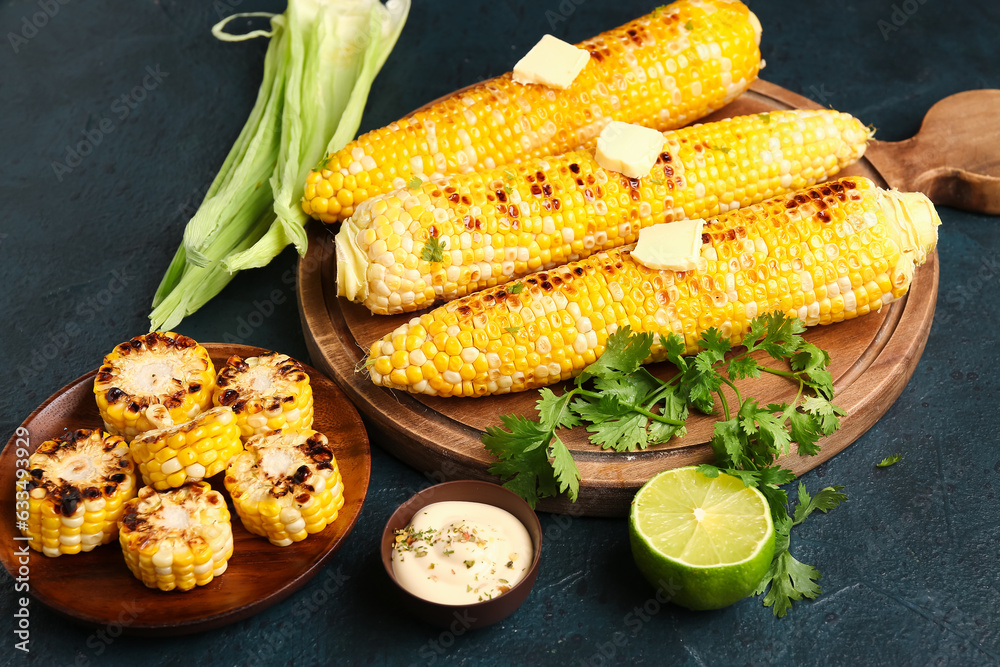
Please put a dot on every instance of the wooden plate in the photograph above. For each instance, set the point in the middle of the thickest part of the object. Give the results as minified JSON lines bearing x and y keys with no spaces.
{"x":97,"y":588}
{"x":873,"y":357}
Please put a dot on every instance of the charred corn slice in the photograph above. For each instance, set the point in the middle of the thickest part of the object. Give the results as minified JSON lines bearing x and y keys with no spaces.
{"x":402,"y":251}
{"x":286,"y":485}
{"x":170,"y":456}
{"x":77,"y":486}
{"x":156,"y":369}
{"x":662,"y":70}
{"x":829,"y":253}
{"x":180,"y":538}
{"x":267,"y":393}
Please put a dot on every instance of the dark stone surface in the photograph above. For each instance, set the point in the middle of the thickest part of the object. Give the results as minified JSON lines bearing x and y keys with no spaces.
{"x":909,"y":564}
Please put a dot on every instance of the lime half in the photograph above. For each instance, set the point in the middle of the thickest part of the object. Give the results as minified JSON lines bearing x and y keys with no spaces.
{"x":704,"y":542}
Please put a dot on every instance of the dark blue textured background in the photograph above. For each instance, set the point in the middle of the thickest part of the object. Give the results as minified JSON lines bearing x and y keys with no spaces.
{"x":909,"y":564}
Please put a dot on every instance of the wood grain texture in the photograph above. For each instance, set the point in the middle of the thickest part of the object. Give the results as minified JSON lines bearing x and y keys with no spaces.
{"x":97,"y":588}
{"x":872,"y":359}
{"x":951,"y":159}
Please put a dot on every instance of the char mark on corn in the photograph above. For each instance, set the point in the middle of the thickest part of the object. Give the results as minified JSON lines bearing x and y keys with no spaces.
{"x":77,"y":486}
{"x":497,"y":225}
{"x":662,"y":70}
{"x":825,"y":254}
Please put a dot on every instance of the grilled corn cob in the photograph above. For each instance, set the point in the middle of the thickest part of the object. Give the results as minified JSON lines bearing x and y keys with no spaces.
{"x":77,"y":486}
{"x":401,"y":251}
{"x":154,"y":369}
{"x":180,"y":538}
{"x":170,"y":456}
{"x":266,"y":393}
{"x":662,"y":70}
{"x":829,"y":253}
{"x":286,"y":485}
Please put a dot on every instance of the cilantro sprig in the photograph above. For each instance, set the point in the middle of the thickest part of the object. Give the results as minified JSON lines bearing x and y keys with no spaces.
{"x":625,"y":408}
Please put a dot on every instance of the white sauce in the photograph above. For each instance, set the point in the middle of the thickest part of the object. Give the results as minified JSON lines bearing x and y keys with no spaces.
{"x":461,"y":552}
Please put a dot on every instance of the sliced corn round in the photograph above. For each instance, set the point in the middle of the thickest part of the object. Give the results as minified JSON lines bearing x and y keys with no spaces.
{"x":286,"y":485}
{"x":168,"y":457}
{"x":152,"y":380}
{"x":177,"y":539}
{"x":77,"y":486}
{"x":267,"y":393}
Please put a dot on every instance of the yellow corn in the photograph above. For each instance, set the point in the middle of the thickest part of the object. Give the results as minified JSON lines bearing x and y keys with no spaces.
{"x":662,"y":70}
{"x":155,"y":369}
{"x":829,"y":253}
{"x":497,"y":225}
{"x":286,"y":485}
{"x":170,"y":456}
{"x":77,"y":486}
{"x":267,"y":393}
{"x":180,"y":538}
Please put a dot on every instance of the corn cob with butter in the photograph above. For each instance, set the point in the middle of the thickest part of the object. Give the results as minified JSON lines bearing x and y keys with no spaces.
{"x":177,"y":539}
{"x":662,"y":70}
{"x":401,"y":251}
{"x":174,"y":454}
{"x":286,"y":485}
{"x":829,"y":253}
{"x":77,"y":486}
{"x":155,"y":369}
{"x":267,"y":393}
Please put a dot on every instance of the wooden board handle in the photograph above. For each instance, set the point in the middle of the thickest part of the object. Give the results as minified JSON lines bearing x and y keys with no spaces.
{"x":955,"y":157}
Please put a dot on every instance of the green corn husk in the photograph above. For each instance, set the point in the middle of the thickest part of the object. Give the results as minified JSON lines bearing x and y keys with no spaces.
{"x":318,"y":71}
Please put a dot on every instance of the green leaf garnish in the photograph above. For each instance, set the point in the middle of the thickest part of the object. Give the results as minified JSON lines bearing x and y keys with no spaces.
{"x":516,"y":288}
{"x":766,"y":117}
{"x":414,"y":183}
{"x":689,"y":26}
{"x":889,"y":460}
{"x":433,"y":250}
{"x":624,"y":408}
{"x":512,"y":330}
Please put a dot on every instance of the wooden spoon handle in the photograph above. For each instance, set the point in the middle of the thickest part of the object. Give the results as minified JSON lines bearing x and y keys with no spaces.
{"x":955,"y":157}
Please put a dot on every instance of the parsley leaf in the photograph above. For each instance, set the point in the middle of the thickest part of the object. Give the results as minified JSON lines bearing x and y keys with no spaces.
{"x":554,"y":410}
{"x":623,"y":355}
{"x":789,"y":580}
{"x":433,"y":250}
{"x":689,"y":26}
{"x":889,"y":460}
{"x":516,"y":288}
{"x":824,"y":501}
{"x":512,"y":330}
{"x":766,"y":117}
{"x":625,"y":408}
{"x":414,"y":183}
{"x":564,"y":467}
{"x":523,"y":462}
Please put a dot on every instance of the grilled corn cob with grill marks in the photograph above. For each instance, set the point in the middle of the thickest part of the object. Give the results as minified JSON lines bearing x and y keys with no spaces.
{"x":497,"y":225}
{"x":267,"y":393}
{"x":662,"y":70}
{"x":170,"y":456}
{"x":829,"y":253}
{"x":77,"y":486}
{"x":180,"y":538}
{"x":286,"y":485}
{"x":156,"y":369}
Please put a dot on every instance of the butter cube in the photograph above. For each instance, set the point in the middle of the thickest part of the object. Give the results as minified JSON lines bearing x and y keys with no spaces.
{"x":551,"y":62}
{"x":674,"y":246}
{"x":628,"y":149}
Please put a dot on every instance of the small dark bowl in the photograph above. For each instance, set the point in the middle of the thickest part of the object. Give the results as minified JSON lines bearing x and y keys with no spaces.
{"x":477,"y":614}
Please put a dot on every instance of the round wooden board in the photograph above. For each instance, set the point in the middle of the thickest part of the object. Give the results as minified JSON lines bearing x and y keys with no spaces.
{"x":97,"y":588}
{"x":873,"y":357}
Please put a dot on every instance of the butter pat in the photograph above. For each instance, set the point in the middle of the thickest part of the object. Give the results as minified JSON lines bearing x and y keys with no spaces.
{"x":628,"y":149}
{"x":552,"y":62}
{"x":674,"y":246}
